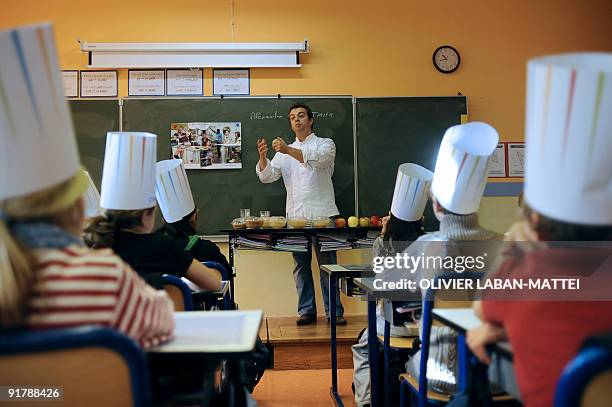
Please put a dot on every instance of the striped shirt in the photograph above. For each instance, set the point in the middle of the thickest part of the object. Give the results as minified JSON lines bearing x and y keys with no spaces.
{"x":78,"y":286}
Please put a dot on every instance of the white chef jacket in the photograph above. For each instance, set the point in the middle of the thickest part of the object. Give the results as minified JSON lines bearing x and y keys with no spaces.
{"x":309,"y":186}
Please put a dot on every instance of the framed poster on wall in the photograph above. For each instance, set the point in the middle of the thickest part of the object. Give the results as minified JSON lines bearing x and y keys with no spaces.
{"x":70,"y":80}
{"x":231,"y":82}
{"x":184,"y":82}
{"x":497,"y":165}
{"x":99,"y":84}
{"x":146,"y":82}
{"x":516,"y":159}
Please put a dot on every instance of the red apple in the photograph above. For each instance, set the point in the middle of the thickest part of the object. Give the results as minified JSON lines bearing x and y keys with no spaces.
{"x":375,"y":220}
{"x":340,"y":222}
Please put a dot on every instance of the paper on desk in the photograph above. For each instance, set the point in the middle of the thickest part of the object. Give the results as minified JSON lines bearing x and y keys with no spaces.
{"x":213,"y":332}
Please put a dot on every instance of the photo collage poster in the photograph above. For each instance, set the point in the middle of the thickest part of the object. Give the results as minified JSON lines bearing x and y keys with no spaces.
{"x":207,"y":145}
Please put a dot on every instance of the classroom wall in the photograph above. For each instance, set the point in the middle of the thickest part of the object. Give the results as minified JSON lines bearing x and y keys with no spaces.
{"x":358,"y":47}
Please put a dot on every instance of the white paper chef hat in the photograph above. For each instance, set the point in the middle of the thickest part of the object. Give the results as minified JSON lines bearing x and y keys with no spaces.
{"x":411,"y":192}
{"x":172,"y":190}
{"x":461,"y":169}
{"x":128,"y":178}
{"x":91,"y":199}
{"x":37,"y":140}
{"x":568,"y":171}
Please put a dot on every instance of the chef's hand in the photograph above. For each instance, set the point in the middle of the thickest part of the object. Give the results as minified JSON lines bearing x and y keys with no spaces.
{"x":262,"y":148}
{"x":279,"y":145}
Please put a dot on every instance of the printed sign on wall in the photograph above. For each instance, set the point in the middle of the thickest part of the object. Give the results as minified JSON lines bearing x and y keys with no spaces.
{"x":98,"y":84}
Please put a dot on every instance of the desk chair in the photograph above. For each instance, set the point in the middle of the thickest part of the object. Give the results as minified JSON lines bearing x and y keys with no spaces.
{"x":185,"y":299}
{"x":408,"y":383}
{"x":406,"y":346}
{"x":587,"y":379}
{"x":226,"y":275}
{"x":178,"y":291}
{"x":95,"y":366}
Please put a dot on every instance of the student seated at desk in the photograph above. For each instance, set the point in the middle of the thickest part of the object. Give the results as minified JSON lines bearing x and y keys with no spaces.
{"x":128,"y":197}
{"x":48,"y":278}
{"x":546,"y":334}
{"x":180,"y":213}
{"x":456,"y":190}
{"x":400,"y":228}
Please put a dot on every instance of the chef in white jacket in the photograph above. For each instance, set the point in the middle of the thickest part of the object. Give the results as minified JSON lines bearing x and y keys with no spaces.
{"x":306,"y":166}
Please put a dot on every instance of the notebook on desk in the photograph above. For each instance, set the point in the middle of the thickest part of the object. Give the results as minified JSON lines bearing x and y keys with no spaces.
{"x":213,"y":332}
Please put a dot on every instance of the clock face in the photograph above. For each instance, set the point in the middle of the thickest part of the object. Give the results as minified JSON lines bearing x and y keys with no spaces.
{"x":446,"y":59}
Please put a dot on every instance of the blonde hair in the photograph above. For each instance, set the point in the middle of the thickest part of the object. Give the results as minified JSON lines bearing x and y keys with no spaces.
{"x":17,"y":266}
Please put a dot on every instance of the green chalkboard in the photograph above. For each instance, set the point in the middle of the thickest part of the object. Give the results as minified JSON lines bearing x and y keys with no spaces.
{"x":220,"y":194}
{"x":392,"y":131}
{"x":92,"y":120}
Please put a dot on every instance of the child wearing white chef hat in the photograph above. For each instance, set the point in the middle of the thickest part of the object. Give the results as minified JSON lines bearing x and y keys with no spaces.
{"x":457,"y":187}
{"x":128,"y":197}
{"x":402,"y":227}
{"x":568,"y":198}
{"x":180,"y":213}
{"x":44,"y":267}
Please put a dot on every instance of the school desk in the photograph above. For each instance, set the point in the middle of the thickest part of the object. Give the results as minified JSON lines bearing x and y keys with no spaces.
{"x":205,"y":299}
{"x":209,"y":337}
{"x":463,"y":319}
{"x":213,"y":334}
{"x":268,"y":240}
{"x":335,"y":272}
{"x":374,"y":294}
{"x":364,"y":273}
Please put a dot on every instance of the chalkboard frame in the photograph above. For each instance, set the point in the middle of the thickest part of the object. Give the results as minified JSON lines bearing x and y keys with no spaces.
{"x":355,"y":101}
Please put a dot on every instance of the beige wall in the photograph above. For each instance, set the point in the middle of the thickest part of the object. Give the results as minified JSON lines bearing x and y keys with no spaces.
{"x":358,"y":47}
{"x":265,"y":280}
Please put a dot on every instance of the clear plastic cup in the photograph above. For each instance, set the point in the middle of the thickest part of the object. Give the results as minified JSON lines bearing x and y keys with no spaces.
{"x":264,"y":214}
{"x":244,"y":213}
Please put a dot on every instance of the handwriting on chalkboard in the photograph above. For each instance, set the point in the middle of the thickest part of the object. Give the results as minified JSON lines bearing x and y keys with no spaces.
{"x":276,"y":115}
{"x":265,"y":116}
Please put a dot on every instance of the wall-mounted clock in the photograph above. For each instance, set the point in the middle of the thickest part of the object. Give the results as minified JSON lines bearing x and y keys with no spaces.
{"x":446,"y":59}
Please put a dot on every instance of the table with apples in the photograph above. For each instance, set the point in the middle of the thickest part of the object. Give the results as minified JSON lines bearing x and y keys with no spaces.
{"x":355,"y":227}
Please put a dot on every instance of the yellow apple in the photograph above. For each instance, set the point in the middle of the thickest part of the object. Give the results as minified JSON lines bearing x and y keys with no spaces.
{"x":353,"y":222}
{"x":364,"y":222}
